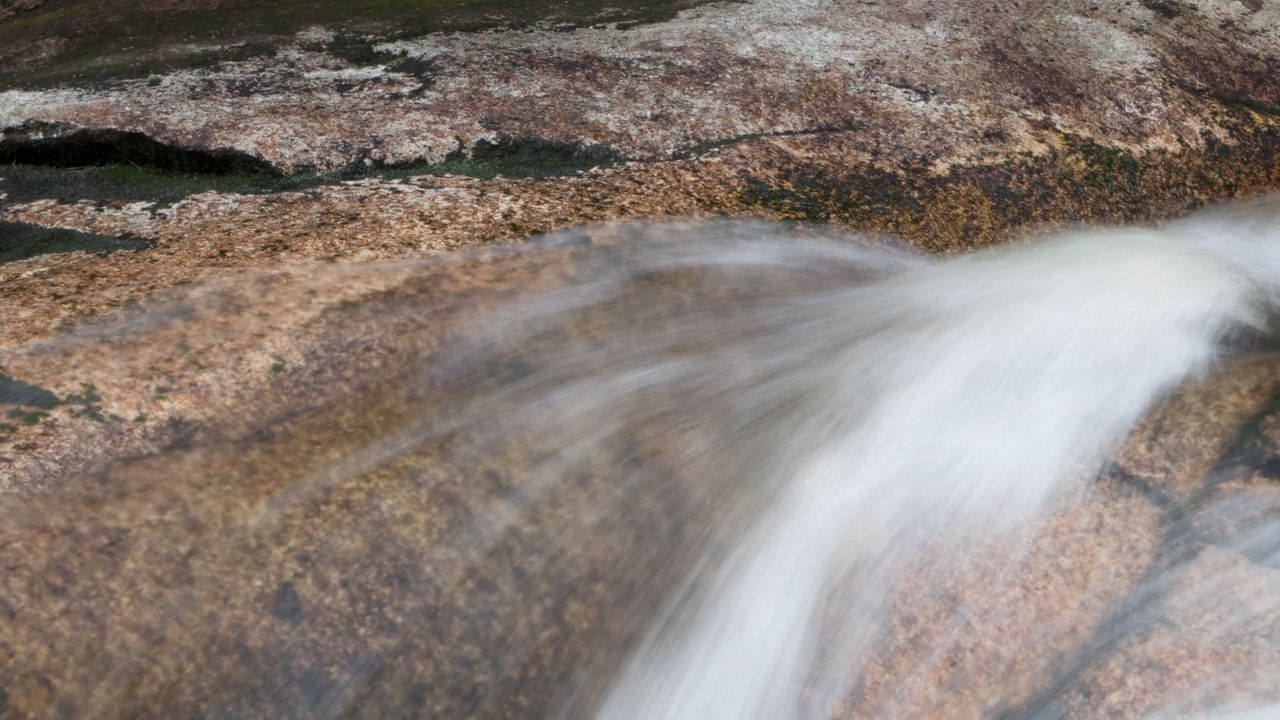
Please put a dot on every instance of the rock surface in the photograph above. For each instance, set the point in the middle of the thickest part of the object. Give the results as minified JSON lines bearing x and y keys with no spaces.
{"x":311,"y":172}
{"x":240,"y":502}
{"x":947,"y":124}
{"x":934,"y":83}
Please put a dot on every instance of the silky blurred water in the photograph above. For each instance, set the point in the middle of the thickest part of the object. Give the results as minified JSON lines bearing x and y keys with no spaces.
{"x":652,"y":470}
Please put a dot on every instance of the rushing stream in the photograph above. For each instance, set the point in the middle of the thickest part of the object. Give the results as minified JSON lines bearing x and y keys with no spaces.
{"x":672,"y":470}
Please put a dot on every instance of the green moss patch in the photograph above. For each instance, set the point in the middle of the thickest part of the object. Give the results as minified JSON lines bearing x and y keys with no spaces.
{"x":33,"y":402}
{"x":76,"y":176}
{"x":57,"y":145}
{"x":17,"y":392}
{"x":525,"y":157}
{"x":27,"y":417}
{"x":86,"y":403}
{"x":132,"y":183}
{"x":24,"y":240}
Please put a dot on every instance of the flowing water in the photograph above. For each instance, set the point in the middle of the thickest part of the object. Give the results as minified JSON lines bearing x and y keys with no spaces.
{"x":668,"y":470}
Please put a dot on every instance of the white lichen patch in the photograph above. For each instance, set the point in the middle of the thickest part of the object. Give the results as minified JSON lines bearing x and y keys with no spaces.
{"x":316,"y":34}
{"x":1110,"y":48}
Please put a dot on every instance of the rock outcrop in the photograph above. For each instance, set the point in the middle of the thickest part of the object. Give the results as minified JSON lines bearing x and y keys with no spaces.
{"x":302,"y":168}
{"x":947,"y":124}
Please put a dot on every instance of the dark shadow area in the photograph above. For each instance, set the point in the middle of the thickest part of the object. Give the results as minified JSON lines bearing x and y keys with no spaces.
{"x":55,"y":145}
{"x":133,"y":183}
{"x":526,"y":157}
{"x":130,"y":167}
{"x":23,"y":240}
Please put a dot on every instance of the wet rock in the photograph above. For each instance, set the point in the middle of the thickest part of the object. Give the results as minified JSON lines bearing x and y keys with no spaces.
{"x":950,"y":125}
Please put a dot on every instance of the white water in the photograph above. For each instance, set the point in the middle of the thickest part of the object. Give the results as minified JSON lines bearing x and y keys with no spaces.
{"x":953,"y":397}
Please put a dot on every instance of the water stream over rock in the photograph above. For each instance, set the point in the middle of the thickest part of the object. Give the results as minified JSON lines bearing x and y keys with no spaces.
{"x":680,"y":470}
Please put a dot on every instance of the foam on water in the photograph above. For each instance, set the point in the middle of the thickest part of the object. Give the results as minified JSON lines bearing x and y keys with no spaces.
{"x":954,"y":396}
